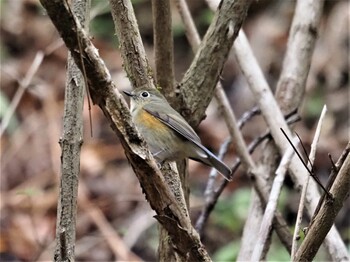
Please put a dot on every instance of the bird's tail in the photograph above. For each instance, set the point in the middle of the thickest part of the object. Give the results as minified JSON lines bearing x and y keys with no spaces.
{"x":220,"y":166}
{"x":211,"y":160}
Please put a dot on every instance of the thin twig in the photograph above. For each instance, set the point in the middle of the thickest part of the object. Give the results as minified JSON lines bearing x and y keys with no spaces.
{"x":308,"y":163}
{"x":332,"y":162}
{"x":311,"y":159}
{"x":247,"y":116}
{"x":190,"y":28}
{"x":307,"y":167}
{"x":23,"y":85}
{"x":266,"y":223}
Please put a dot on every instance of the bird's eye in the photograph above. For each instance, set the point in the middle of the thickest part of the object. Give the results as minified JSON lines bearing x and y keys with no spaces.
{"x":145,"y":94}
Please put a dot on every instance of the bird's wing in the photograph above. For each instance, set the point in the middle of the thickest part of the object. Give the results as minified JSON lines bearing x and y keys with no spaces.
{"x":177,"y":123}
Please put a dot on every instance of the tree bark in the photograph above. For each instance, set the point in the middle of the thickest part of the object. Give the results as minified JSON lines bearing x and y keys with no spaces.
{"x":71,"y":141}
{"x":198,"y":85}
{"x":324,"y":220}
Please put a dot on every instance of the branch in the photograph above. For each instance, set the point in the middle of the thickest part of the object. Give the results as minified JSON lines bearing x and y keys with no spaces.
{"x":163,"y":47}
{"x":324,"y":220}
{"x":296,"y":65}
{"x":251,"y":227}
{"x":204,"y":72}
{"x":305,"y":186}
{"x":134,"y":56}
{"x":332,"y":177}
{"x":104,"y":93}
{"x":266,"y":223}
{"x":71,"y":142}
{"x":23,"y":86}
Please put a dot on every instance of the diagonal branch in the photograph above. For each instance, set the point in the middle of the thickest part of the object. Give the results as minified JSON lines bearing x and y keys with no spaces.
{"x":134,"y":56}
{"x":204,"y":72}
{"x":324,"y":220}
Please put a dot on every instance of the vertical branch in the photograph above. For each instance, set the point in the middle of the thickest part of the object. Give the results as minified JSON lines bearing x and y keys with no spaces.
{"x":164,"y":60}
{"x":71,"y":142}
{"x":296,"y":65}
{"x":305,"y":186}
{"x":266,"y":223}
{"x":163,"y":47}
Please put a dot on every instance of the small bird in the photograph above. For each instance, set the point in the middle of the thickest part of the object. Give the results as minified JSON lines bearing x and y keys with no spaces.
{"x":166,"y":132}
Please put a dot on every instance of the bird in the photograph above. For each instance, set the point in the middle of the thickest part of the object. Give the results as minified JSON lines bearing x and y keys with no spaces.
{"x":167,"y":133}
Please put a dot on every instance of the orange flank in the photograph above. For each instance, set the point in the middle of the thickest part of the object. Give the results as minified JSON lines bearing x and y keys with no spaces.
{"x":149,"y":121}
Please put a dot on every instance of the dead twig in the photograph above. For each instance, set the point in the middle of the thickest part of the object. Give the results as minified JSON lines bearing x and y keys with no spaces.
{"x":266,"y":223}
{"x":311,"y":159}
{"x":23,"y":86}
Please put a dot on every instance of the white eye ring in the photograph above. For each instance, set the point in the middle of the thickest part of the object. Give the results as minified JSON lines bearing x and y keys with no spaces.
{"x":145,"y":94}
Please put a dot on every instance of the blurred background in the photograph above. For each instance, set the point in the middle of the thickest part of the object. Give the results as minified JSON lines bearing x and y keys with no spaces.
{"x":33,"y":68}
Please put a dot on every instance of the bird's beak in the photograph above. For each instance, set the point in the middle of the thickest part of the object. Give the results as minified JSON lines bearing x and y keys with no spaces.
{"x":128,"y":93}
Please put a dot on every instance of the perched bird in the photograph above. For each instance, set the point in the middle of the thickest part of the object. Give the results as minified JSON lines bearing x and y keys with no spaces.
{"x":166,"y":132}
